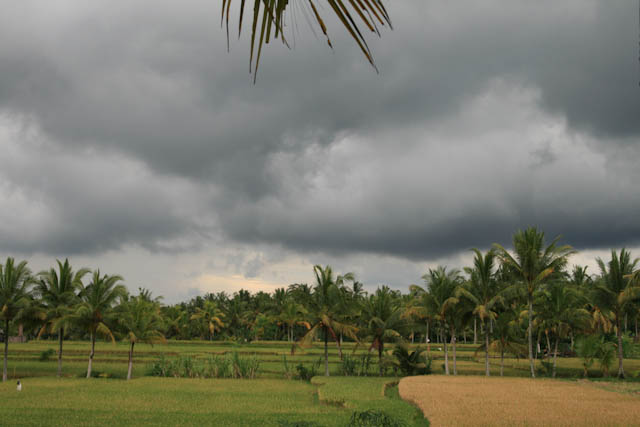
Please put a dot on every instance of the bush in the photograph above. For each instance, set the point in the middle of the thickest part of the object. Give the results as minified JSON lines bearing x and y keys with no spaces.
{"x":373,"y":418}
{"x":46,"y":355}
{"x":306,"y":374}
{"x":412,"y":363}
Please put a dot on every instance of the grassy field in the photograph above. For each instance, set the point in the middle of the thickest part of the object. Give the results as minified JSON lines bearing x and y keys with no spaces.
{"x":180,"y":402}
{"x":474,"y":400}
{"x":111,"y":360}
{"x":274,"y":400}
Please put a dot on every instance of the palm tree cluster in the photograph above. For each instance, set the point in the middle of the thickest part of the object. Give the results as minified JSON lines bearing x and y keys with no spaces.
{"x":519,"y":301}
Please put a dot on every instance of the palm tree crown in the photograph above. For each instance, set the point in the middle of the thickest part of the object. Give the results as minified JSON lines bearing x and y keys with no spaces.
{"x":532,"y":264}
{"x":58,"y":291}
{"x":15,"y":281}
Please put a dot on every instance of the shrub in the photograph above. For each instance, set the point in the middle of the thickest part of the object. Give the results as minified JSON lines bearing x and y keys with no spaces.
{"x":373,"y":418}
{"x":412,"y":363}
{"x":305,"y":373}
{"x":46,"y":355}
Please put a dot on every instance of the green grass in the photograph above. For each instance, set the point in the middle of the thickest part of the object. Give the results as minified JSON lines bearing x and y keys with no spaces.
{"x":111,"y":359}
{"x":171,"y":401}
{"x":361,"y":394}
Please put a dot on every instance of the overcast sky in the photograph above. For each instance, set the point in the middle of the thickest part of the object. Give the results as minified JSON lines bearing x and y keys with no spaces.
{"x":133,"y":142}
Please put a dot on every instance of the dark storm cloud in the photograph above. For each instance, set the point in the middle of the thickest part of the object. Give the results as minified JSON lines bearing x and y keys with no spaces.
{"x":323,"y":154}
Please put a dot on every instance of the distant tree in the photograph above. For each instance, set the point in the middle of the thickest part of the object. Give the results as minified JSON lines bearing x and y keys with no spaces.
{"x":141,"y":322}
{"x":439,"y":298}
{"x":15,"y":281}
{"x":483,"y":291}
{"x":211,"y":316}
{"x":615,"y":290}
{"x":58,"y":291}
{"x":506,"y":333}
{"x":383,"y":316}
{"x":561,"y":306}
{"x":292,"y":314}
{"x":532,"y":264}
{"x":175,"y":321}
{"x":324,"y":309}
{"x":95,"y":311}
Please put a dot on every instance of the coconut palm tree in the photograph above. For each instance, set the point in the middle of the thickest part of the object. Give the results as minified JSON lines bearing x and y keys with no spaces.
{"x":324,"y":309}
{"x":211,"y":315}
{"x":383,"y":316}
{"x":416,"y":309}
{"x":58,"y":291}
{"x":561,"y":307}
{"x":533,"y":263}
{"x":95,"y":310}
{"x":141,"y":322}
{"x":439,"y":299}
{"x":482,"y":290}
{"x":15,"y":281}
{"x":269,"y":18}
{"x":507,"y":331}
{"x":615,"y":290}
{"x":292,"y":314}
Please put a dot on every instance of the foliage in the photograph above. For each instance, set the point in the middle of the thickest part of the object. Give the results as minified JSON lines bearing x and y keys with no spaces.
{"x":305,"y":373}
{"x":46,"y":355}
{"x":373,"y":418}
{"x":596,"y":347}
{"x":412,"y":362}
{"x":228,"y":366}
{"x":269,"y":17}
{"x":356,"y":366}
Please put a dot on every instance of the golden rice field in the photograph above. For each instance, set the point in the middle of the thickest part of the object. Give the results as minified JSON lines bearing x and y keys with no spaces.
{"x":493,"y":401}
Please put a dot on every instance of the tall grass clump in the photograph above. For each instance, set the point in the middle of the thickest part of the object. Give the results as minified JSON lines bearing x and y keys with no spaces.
{"x":356,"y":366}
{"x":227,"y":366}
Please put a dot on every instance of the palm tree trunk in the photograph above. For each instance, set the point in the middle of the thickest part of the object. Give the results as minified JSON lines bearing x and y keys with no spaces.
{"x":446,"y":353}
{"x":572,"y":340}
{"x":464,"y":335}
{"x":6,"y":349}
{"x":636,"y":337}
{"x":555,"y":357}
{"x":546,"y":333}
{"x":93,"y":346}
{"x":60,"y":339}
{"x":453,"y":343}
{"x":380,"y":350}
{"x":620,"y":353}
{"x":130,"y":361}
{"x":428,"y":341}
{"x":486,"y":353}
{"x":530,"y":333}
{"x":502,"y":360}
{"x":339,"y":349}
{"x":475,"y":331}
{"x":326,"y":351}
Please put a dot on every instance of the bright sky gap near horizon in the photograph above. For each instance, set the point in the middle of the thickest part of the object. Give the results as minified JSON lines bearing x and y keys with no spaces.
{"x":133,"y":142}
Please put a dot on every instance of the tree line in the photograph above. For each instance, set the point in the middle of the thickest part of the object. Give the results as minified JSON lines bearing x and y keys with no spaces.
{"x":514,"y":302}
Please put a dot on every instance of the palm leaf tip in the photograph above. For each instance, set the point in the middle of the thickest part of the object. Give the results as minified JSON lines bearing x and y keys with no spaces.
{"x":269,"y":17}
